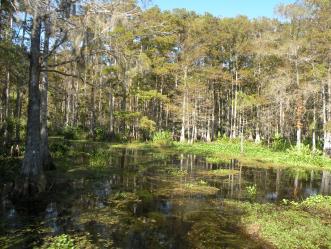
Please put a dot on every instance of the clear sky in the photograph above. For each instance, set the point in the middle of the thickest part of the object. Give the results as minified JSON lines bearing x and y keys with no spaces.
{"x":224,"y":8}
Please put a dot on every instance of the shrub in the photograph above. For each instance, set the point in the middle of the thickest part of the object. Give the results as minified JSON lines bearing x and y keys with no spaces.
{"x":163,"y":138}
{"x":251,"y":191}
{"x":62,"y":242}
{"x":147,"y":127}
{"x":73,"y":133}
{"x":102,"y":134}
{"x":279,"y":143}
{"x":303,"y":151}
{"x":59,"y":149}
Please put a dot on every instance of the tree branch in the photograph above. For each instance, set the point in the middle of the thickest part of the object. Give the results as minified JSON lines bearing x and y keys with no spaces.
{"x":63,"y":73}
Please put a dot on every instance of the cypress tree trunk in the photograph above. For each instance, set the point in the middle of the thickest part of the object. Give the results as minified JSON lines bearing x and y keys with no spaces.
{"x":299,"y":121}
{"x":326,"y":116}
{"x":242,"y":137}
{"x":45,"y":156}
{"x":33,"y":180}
{"x":18,"y":113}
{"x":93,"y":114}
{"x":6,"y":115}
{"x":182,"y":133}
{"x":111,"y":113}
{"x":299,"y":108}
{"x":314,"y":128}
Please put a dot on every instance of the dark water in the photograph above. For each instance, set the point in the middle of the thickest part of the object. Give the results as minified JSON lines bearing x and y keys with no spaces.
{"x":133,"y":199}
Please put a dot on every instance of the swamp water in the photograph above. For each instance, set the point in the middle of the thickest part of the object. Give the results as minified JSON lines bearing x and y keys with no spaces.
{"x":127,"y":198}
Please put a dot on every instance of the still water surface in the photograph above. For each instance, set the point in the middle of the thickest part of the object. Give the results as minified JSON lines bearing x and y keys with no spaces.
{"x":126,"y":198}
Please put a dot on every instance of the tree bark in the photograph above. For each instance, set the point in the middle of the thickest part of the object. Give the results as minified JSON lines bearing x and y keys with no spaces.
{"x":182,"y":134}
{"x":111,"y":112}
{"x":45,"y":155}
{"x":33,"y":180}
{"x":314,"y":129}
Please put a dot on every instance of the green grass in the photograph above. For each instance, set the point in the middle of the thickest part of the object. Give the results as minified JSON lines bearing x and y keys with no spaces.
{"x":254,"y":155}
{"x":304,"y":225}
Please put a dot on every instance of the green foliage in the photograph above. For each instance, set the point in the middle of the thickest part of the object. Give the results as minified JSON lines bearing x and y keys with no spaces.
{"x":58,"y":148}
{"x":69,"y":133}
{"x":127,"y":116}
{"x":280,"y":143}
{"x":73,"y":133}
{"x":285,"y":227}
{"x":102,"y":134}
{"x":315,"y":200}
{"x":152,"y":95}
{"x":303,"y":151}
{"x":122,"y":195}
{"x":147,"y":126}
{"x":62,"y":242}
{"x":312,"y":201}
{"x":257,"y":154}
{"x":9,"y":169}
{"x":163,"y":138}
{"x":251,"y":191}
{"x":246,"y":101}
{"x":202,"y":183}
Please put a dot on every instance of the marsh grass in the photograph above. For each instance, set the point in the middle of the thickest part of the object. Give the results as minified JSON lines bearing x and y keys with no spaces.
{"x":287,"y":226}
{"x":254,"y":155}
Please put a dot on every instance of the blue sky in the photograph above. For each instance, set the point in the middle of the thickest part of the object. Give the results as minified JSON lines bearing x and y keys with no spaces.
{"x":225,"y":8}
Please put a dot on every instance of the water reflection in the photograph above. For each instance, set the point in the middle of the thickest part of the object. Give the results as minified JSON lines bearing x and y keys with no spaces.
{"x":326,"y":183}
{"x":135,"y":202}
{"x":51,"y":219}
{"x":9,"y":215}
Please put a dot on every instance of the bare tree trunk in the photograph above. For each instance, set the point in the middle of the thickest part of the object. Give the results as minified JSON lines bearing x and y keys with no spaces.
{"x":242,"y":135}
{"x":6,"y":110}
{"x":299,"y":121}
{"x":299,"y":108}
{"x":124,"y":106}
{"x":235,"y":107}
{"x":66,"y":108}
{"x":314,"y":128}
{"x":182,"y":134}
{"x":208,"y":137}
{"x":32,"y":170}
{"x":111,"y":112}
{"x":327,"y":137}
{"x":18,"y":107}
{"x":194,"y":123}
{"x":93,"y":114}
{"x":7,"y":89}
{"x":257,"y":128}
{"x":232,"y":111}
{"x":326,"y":115}
{"x":45,"y":155}
{"x":281,"y":123}
{"x":18,"y":114}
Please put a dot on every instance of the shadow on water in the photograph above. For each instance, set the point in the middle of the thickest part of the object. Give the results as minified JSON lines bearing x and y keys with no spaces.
{"x":121,"y":198}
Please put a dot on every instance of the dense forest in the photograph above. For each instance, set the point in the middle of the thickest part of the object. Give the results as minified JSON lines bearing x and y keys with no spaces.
{"x":115,"y":71}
